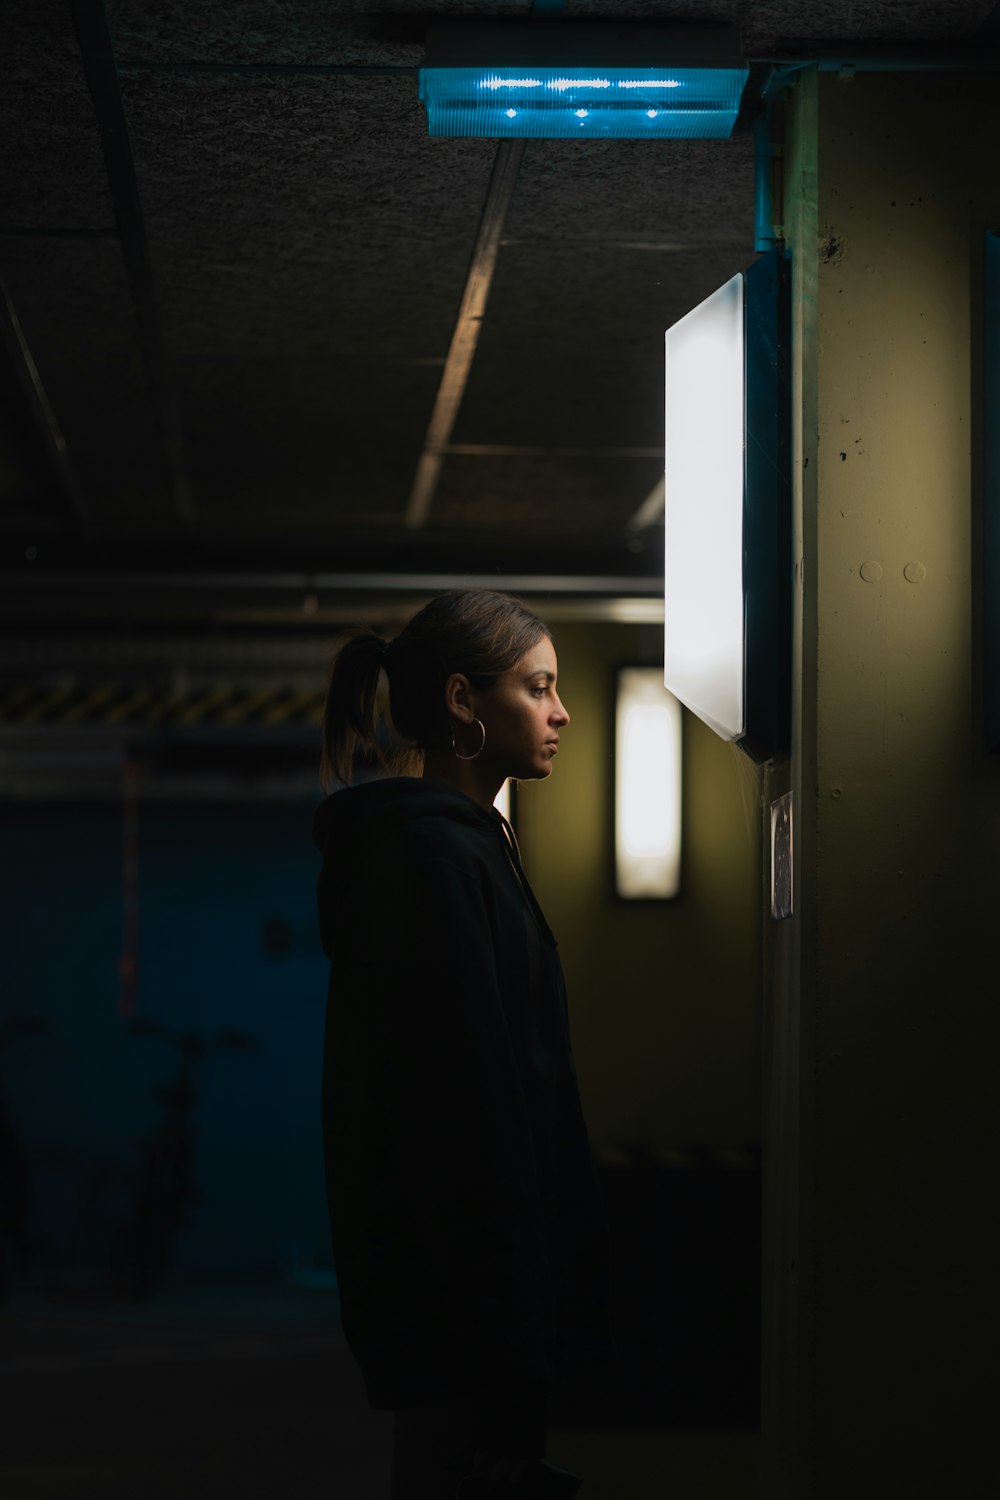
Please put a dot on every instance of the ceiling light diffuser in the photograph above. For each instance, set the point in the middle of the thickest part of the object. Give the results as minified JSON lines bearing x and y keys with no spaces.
{"x":636,"y":81}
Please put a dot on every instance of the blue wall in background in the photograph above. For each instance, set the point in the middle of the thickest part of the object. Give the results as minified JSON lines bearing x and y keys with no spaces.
{"x":82,"y":1096}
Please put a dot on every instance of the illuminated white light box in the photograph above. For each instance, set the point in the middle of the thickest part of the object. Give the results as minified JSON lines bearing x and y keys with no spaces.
{"x":647,"y":786}
{"x":582,"y":79}
{"x":727,"y":534}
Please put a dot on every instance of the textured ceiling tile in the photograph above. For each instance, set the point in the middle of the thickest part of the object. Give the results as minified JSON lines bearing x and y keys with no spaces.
{"x":571,"y":351}
{"x":296,"y":152}
{"x":76,"y":313}
{"x":381,"y":31}
{"x":765,"y":22}
{"x":299,"y":32}
{"x":51,"y":168}
{"x":267,"y":296}
{"x":304,"y":216}
{"x":302,"y":441}
{"x":563,"y":495}
{"x":667,"y":192}
{"x":248,"y":149}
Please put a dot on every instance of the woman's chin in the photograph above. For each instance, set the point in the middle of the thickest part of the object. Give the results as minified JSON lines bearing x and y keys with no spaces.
{"x":530,"y":773}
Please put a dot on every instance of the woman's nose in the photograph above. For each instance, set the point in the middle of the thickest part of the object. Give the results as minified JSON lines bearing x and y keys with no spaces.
{"x":560,"y":713}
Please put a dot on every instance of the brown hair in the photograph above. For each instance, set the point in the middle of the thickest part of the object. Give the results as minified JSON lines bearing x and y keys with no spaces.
{"x":474,"y":631}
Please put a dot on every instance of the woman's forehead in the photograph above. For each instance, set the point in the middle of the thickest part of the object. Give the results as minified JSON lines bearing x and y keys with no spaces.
{"x":538,"y":658}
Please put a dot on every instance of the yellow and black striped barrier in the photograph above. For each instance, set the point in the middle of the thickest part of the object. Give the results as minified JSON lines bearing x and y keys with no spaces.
{"x":120,"y":705}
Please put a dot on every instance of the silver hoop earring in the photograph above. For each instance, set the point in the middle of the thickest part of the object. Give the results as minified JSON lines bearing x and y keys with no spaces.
{"x":475,"y":753}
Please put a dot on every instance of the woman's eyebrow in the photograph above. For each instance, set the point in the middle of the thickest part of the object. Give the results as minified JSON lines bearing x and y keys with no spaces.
{"x":541,"y":672}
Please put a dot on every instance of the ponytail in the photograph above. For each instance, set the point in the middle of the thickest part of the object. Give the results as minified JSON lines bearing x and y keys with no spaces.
{"x":352,"y":714}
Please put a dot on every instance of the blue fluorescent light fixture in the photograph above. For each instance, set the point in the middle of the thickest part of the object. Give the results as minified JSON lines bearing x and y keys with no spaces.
{"x":579,"y":103}
{"x":581,"y":81}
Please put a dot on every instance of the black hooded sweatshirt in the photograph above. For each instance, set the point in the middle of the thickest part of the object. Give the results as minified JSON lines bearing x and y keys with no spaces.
{"x":469,"y":1236}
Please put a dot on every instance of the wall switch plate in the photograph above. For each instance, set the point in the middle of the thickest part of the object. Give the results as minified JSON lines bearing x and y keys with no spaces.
{"x":781,"y":858}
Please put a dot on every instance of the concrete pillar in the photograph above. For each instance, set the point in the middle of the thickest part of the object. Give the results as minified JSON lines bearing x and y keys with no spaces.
{"x":881,"y":1103}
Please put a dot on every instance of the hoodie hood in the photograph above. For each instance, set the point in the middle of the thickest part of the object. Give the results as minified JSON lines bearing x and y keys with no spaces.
{"x":359,"y":817}
{"x":359,"y":822}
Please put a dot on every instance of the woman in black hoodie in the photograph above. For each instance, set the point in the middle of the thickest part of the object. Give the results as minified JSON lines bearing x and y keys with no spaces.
{"x":468,"y":1233}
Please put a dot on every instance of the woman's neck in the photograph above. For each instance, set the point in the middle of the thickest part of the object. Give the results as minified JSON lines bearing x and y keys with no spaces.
{"x":467,"y":776}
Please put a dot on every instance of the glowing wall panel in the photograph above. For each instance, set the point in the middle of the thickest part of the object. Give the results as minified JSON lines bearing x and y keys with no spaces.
{"x":703,"y":566}
{"x":727,"y":510}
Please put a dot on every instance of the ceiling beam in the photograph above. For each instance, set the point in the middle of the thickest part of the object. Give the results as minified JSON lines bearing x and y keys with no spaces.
{"x":215,"y":585}
{"x":651,"y":510}
{"x":271,"y":70}
{"x":102,"y":81}
{"x":47,"y":606}
{"x":45,"y":418}
{"x":462,"y":350}
{"x":514,"y":450}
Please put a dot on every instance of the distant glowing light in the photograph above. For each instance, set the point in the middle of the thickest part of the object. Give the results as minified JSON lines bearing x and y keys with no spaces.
{"x":647,"y":786}
{"x":511,"y":83}
{"x":561,"y":84}
{"x":652,"y":113}
{"x":511,"y":113}
{"x":582,"y":113}
{"x":649,"y":83}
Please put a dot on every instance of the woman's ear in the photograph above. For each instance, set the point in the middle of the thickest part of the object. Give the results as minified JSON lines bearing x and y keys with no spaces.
{"x":458,"y":698}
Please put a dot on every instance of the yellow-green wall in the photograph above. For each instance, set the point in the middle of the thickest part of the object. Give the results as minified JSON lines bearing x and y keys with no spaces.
{"x":663,"y":997}
{"x":889,"y":1023}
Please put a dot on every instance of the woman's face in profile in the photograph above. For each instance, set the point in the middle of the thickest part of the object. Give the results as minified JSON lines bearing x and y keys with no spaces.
{"x":523,"y":714}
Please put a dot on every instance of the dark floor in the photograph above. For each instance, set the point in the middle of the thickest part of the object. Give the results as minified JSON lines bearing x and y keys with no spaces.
{"x":211,"y":1393}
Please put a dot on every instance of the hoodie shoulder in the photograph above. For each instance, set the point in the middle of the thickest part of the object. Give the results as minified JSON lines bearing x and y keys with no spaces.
{"x":426,"y":816}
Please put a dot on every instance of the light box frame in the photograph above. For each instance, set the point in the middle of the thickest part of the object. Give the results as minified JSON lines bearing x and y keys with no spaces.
{"x":991,"y":491}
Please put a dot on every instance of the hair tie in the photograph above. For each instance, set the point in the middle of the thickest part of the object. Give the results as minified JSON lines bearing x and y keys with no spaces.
{"x":383,"y":650}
